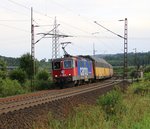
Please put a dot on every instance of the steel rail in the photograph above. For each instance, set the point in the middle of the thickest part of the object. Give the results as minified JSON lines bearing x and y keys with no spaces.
{"x":49,"y":97}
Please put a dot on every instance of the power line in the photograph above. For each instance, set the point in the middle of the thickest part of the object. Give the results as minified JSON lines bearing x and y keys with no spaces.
{"x":47,"y":15}
{"x":69,"y":9}
{"x":14,"y":20}
{"x":19,"y":4}
{"x":105,"y":44}
{"x":28,"y":8}
{"x":62,"y":6}
{"x":90,"y":36}
{"x":12,"y":27}
{"x":79,"y":15}
{"x":16,"y":3}
{"x":109,"y":37}
{"x":11,"y":10}
{"x":52,"y":17}
{"x":88,"y":22}
{"x":74,"y":27}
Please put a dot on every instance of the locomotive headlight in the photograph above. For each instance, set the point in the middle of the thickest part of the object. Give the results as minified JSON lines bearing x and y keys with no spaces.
{"x":69,"y":74}
{"x":56,"y":76}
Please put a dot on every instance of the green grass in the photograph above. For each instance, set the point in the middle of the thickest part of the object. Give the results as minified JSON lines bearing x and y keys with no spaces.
{"x":143,"y":124}
{"x":132,"y":111}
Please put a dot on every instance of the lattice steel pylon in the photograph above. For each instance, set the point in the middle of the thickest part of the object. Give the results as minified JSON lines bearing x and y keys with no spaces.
{"x":126,"y":49}
{"x":55,"y":41}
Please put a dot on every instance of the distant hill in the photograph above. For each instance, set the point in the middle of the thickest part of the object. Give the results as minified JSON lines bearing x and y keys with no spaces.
{"x":133,"y":59}
{"x":10,"y":60}
{"x":114,"y":59}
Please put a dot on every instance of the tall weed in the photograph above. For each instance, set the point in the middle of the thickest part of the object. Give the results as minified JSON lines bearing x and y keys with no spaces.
{"x":141,"y":88}
{"x":111,"y":103}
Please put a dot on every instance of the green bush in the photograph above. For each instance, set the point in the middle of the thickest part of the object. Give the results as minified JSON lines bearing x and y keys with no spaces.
{"x":27,"y":85}
{"x":2,"y":74}
{"x":147,"y":76}
{"x":43,"y":85}
{"x":43,"y":75}
{"x":134,"y":74}
{"x":3,"y":70}
{"x":18,"y":74}
{"x":141,"y":88}
{"x":111,"y":102}
{"x":26,"y":63}
{"x":10,"y":87}
{"x":147,"y":69}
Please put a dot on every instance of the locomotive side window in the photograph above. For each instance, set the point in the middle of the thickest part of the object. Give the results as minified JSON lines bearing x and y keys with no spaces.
{"x":67,"y":64}
{"x":76,"y":64}
{"x":56,"y":65}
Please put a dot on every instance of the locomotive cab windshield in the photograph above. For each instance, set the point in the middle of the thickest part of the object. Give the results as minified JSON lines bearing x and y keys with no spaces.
{"x":68,"y":64}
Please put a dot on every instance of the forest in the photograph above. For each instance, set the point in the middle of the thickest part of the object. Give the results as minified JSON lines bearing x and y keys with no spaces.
{"x":134,"y":59}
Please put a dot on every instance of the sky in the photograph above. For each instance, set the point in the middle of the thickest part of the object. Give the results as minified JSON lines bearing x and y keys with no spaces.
{"x":76,"y":18}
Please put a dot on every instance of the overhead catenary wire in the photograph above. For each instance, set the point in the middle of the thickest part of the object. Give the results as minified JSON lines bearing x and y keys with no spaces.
{"x":108,"y":30}
{"x":45,"y":34}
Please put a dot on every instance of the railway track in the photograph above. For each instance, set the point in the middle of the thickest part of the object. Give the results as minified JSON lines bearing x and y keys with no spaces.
{"x":15,"y":103}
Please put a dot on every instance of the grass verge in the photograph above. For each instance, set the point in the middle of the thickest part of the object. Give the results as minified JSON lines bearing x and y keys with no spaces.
{"x":114,"y":110}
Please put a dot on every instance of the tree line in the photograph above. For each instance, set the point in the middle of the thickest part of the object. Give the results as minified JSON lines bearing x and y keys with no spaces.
{"x":134,"y":59}
{"x":23,"y":79}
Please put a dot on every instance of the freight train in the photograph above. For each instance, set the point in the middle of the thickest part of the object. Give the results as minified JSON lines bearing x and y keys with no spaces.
{"x":80,"y":69}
